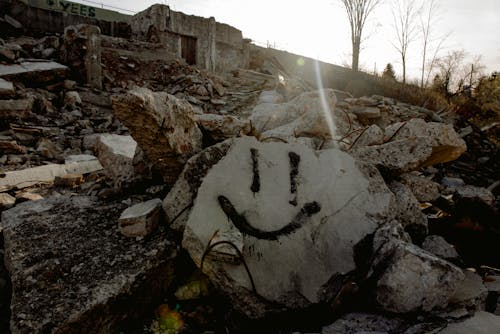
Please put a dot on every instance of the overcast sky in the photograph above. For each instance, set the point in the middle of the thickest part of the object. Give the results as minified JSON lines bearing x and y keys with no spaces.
{"x":319,"y":28}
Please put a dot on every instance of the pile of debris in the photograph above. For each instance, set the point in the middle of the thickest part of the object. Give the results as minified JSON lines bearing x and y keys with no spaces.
{"x":250,"y":201}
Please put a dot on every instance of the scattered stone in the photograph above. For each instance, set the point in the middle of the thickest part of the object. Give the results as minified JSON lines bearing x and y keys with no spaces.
{"x":164,"y":127}
{"x":363,"y":323}
{"x":366,"y":113}
{"x":70,"y":269}
{"x":116,"y":154}
{"x":6,"y":201}
{"x":49,"y":149}
{"x":445,"y":142}
{"x":11,"y":146}
{"x":452,"y":182}
{"x":72,"y":99}
{"x":432,"y":280}
{"x":424,"y":189}
{"x":329,"y":206}
{"x":141,"y":219}
{"x":397,"y":156}
{"x":436,"y":245}
{"x":25,"y":196}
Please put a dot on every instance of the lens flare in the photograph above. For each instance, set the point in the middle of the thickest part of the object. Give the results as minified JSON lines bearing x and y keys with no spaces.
{"x":324,"y":104}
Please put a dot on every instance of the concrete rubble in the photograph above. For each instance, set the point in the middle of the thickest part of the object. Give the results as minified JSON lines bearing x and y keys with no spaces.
{"x":298,"y":208}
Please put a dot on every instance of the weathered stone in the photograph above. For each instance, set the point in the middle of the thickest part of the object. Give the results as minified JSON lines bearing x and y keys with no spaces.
{"x":329,"y":205}
{"x":436,"y":245}
{"x":49,"y":149}
{"x":398,"y":156}
{"x":472,"y":193}
{"x":180,"y":198}
{"x":471,"y":292}
{"x":24,"y":196}
{"x":6,"y":89}
{"x":164,"y":127}
{"x":432,"y":280}
{"x":270,"y":96}
{"x":6,"y":201}
{"x":371,"y":136}
{"x":72,"y":99}
{"x":141,"y":219}
{"x":424,"y":189}
{"x":72,"y":273}
{"x":267,"y":116}
{"x":363,"y":323}
{"x":86,"y":38}
{"x":16,"y":109}
{"x":445,"y":142}
{"x":452,"y":182}
{"x":31,"y":176}
{"x":222,"y":127}
{"x":408,"y":211}
{"x":34,"y":73}
{"x":116,"y":154}
{"x":480,"y":323}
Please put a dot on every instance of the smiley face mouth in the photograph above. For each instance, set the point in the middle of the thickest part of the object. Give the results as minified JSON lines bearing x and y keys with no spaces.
{"x":241,"y":223}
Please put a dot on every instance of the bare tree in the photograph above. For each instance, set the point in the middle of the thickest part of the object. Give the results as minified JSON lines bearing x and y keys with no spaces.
{"x":404,"y":14}
{"x":357,"y":13}
{"x":428,"y":17}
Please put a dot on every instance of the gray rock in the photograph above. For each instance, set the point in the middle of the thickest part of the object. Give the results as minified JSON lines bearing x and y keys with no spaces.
{"x":371,"y":136}
{"x":163,"y":126}
{"x":16,"y":109}
{"x":480,"y":323}
{"x":141,"y":219}
{"x":32,"y":73}
{"x":72,"y":99}
{"x":445,"y":142}
{"x":116,"y":154}
{"x":366,"y":113}
{"x":71,"y":271}
{"x":424,"y":189}
{"x":327,"y":205}
{"x":408,"y":210}
{"x":475,"y":193}
{"x":452,"y":182}
{"x":412,"y":279}
{"x":398,"y":156}
{"x":471,"y":292}
{"x":436,"y":245}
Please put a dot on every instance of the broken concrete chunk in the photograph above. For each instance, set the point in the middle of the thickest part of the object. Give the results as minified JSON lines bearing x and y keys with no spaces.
{"x":366,"y":113}
{"x":7,"y":89}
{"x":70,"y":269}
{"x":141,"y":219}
{"x":180,"y":198}
{"x":445,"y":142}
{"x":222,"y":127}
{"x":436,"y":245}
{"x":424,"y":189}
{"x":6,"y":201}
{"x":327,"y":206}
{"x":116,"y":154}
{"x":164,"y":127}
{"x":432,"y":280}
{"x":397,"y":156}
{"x":371,"y":136}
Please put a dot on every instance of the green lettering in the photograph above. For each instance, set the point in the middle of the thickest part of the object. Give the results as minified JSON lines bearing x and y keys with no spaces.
{"x":64,"y":5}
{"x":74,"y":8}
{"x":91,"y":11}
{"x":83,"y":10}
